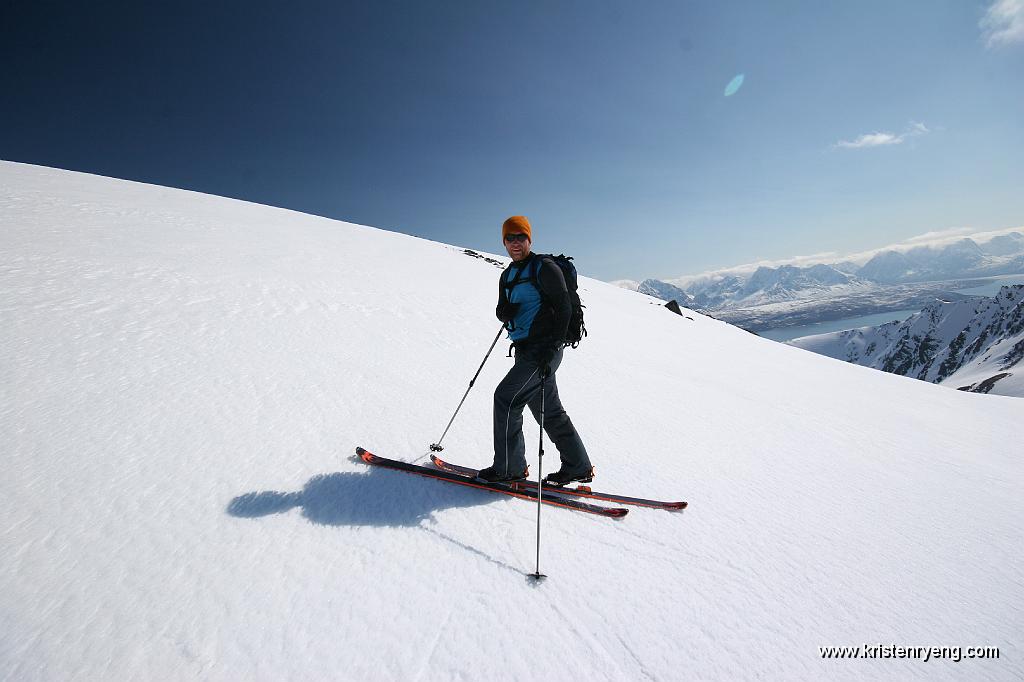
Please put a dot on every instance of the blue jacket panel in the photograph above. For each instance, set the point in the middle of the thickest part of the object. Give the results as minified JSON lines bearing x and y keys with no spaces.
{"x":524,"y":295}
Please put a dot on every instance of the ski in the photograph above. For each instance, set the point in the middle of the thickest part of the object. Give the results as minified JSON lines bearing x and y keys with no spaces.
{"x":578,"y":491}
{"x":504,"y":488}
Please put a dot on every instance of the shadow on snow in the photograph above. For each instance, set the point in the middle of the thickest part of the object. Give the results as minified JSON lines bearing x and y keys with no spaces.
{"x":375,"y":498}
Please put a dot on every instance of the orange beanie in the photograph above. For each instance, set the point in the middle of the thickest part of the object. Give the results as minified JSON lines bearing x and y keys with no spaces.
{"x":517,"y":224}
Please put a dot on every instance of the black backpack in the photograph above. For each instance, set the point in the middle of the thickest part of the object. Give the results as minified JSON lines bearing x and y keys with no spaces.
{"x":577,"y":330}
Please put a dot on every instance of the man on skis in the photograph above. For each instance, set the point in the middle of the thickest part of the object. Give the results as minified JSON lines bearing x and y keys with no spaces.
{"x":534,"y":304}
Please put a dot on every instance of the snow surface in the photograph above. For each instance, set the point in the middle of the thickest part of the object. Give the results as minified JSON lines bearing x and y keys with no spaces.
{"x":183,"y":381}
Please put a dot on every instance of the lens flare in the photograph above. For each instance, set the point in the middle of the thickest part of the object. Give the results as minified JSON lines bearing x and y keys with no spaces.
{"x":734,"y":85}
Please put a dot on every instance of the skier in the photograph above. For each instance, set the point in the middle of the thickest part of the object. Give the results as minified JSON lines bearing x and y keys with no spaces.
{"x":534,"y":304}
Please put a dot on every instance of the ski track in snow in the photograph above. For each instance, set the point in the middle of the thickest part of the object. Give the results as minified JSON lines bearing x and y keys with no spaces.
{"x":183,"y":381}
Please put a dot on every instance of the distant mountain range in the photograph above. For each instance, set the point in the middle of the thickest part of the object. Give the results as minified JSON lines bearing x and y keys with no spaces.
{"x":974,"y":345}
{"x":890,"y":280}
{"x":964,"y":258}
{"x":770,"y":285}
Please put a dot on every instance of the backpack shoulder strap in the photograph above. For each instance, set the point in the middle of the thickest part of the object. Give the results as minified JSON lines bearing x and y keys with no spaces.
{"x":555,"y":261}
{"x":535,"y":274}
{"x":506,"y":285}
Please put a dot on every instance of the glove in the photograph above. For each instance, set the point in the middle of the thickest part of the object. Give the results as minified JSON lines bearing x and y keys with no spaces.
{"x":544,"y":358}
{"x":506,"y":312}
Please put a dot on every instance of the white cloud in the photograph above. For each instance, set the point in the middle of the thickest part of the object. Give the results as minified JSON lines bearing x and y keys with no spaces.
{"x":870,"y":140}
{"x":1003,"y":23}
{"x":881,"y":139}
{"x":938,"y":237}
{"x":935,"y":239}
{"x":932,"y":239}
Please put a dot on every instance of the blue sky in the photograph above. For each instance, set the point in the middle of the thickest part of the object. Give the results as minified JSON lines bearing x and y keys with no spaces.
{"x":856,"y":124}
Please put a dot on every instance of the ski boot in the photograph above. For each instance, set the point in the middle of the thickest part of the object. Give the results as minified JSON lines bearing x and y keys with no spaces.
{"x":563,"y":477}
{"x":491,"y":475}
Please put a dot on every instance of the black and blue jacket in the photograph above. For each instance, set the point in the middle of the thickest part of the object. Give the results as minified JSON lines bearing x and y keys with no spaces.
{"x":533,"y":302}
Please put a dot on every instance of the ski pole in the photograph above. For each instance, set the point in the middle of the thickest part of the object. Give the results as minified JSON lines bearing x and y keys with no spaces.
{"x":436,"y":447}
{"x":537,"y":575}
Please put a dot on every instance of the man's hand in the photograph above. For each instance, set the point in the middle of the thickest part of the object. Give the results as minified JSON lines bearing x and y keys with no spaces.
{"x":506,"y":312}
{"x":544,"y":358}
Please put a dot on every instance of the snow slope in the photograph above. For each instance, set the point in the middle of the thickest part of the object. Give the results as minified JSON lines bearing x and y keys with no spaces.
{"x":183,"y":380}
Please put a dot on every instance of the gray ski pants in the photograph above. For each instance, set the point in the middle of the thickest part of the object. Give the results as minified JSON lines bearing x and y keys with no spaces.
{"x":521,"y":387}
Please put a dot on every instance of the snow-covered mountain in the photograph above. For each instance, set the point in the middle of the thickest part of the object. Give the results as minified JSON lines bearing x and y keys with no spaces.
{"x":183,"y":381}
{"x":768,"y":285}
{"x":975,"y":344}
{"x":765,"y":285}
{"x":664,"y":291}
{"x":1006,"y":245}
{"x":846,"y":267}
{"x":887,"y":266}
{"x":770,"y":297}
{"x":962,"y":259}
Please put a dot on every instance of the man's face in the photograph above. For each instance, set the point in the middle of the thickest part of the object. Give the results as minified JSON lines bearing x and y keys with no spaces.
{"x":517,"y":245}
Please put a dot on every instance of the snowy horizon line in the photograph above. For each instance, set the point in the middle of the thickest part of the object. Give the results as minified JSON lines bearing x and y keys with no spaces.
{"x":933,"y":239}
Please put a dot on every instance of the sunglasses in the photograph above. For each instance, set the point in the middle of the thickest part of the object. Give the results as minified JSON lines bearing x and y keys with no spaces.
{"x":515,"y":237}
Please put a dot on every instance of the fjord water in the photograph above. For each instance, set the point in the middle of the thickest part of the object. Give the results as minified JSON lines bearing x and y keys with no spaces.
{"x":795,"y":332}
{"x":992,"y":285}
